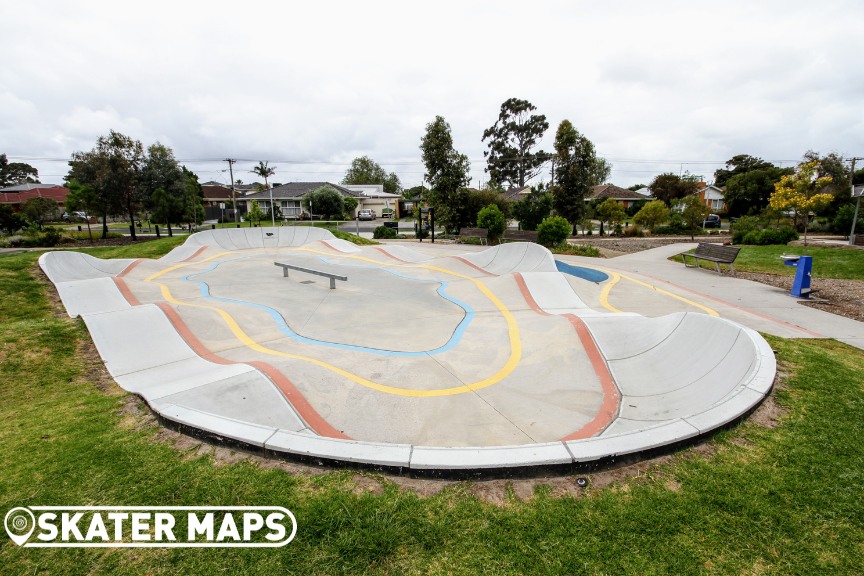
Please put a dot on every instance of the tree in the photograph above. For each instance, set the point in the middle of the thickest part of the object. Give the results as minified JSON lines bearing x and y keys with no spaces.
{"x":749,"y":192}
{"x":255,"y":214}
{"x":652,"y":214}
{"x":802,"y":192}
{"x":693,"y":213}
{"x":364,"y":170}
{"x":10,"y":222}
{"x":493,"y":220}
{"x":669,"y":187}
{"x":446,"y":173}
{"x":84,"y":198}
{"x":113,"y":169}
{"x":350,"y":204}
{"x":161,"y":171}
{"x":264,"y":171}
{"x":553,"y":231}
{"x":325,"y":200}
{"x":740,"y":164}
{"x":37,"y":210}
{"x":15,"y":173}
{"x":533,"y":209}
{"x":193,"y":197}
{"x":610,"y":212}
{"x":577,"y":169}
{"x":510,"y":159}
{"x":834,"y":166}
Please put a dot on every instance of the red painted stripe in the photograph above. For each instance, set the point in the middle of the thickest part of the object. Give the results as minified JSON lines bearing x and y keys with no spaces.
{"x":309,"y":415}
{"x":125,"y":291}
{"x":130,"y":267}
{"x":464,"y":261}
{"x":390,"y":255}
{"x":611,"y":399}
{"x":199,"y":251}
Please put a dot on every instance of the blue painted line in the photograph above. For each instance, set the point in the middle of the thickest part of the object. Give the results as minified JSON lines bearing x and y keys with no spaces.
{"x":283,"y":327}
{"x":580,"y":272}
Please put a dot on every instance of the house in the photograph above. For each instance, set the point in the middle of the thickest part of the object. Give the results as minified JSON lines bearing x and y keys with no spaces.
{"x":626,"y":198}
{"x":15,"y":196}
{"x":518,"y":193}
{"x":287,"y":197}
{"x":374,"y":198}
{"x":712,"y":196}
{"x":217,"y":201}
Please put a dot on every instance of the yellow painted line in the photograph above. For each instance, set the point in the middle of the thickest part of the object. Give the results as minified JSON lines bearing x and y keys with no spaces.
{"x":183,"y":265}
{"x":616,"y":277}
{"x":249,"y":342}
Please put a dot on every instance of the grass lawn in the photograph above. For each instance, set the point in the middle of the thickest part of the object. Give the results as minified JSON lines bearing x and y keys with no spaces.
{"x":827,"y":262}
{"x":758,"y":500}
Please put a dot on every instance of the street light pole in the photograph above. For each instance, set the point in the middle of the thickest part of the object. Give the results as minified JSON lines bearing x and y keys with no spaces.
{"x":857,"y":203}
{"x":230,"y":162}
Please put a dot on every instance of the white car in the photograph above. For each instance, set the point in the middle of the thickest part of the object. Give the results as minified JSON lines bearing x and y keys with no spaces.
{"x":365,"y":214}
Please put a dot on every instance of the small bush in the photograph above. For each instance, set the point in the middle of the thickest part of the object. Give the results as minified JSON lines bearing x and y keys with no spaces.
{"x":576,"y":249}
{"x":493,"y":220}
{"x":422,"y":234}
{"x":767,"y":236}
{"x":552,"y":231}
{"x":384,"y":232}
{"x":743,"y":226}
{"x":633,"y":232}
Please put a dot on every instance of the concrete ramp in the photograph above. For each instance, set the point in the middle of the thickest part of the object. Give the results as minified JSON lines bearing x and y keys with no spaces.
{"x":513,"y":257}
{"x":67,"y":265}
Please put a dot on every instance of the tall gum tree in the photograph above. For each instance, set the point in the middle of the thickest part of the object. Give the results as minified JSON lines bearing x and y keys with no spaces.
{"x":510,"y":159}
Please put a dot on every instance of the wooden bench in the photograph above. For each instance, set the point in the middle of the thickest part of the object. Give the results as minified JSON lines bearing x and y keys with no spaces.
{"x":859,"y":240}
{"x":332,"y":277}
{"x":520,"y":236}
{"x":481,"y":234}
{"x":712,"y":253}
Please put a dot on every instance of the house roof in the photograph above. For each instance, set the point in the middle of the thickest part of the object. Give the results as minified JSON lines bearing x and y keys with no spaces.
{"x":217,"y":192}
{"x":56,"y":193}
{"x":298,"y":190}
{"x":518,"y":193}
{"x":614,"y":192}
{"x":28,"y":186}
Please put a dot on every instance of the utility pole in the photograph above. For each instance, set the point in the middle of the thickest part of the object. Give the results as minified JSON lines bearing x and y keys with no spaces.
{"x":230,"y":162}
{"x":857,"y":202}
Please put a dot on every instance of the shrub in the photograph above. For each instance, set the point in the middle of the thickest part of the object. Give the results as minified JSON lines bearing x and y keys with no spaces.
{"x":492,"y":219}
{"x":565,"y":247}
{"x":633,"y":232}
{"x":553,"y":231}
{"x":766,"y":236}
{"x":842,"y":223}
{"x":743,"y":226}
{"x":384,"y":232}
{"x":422,"y":234}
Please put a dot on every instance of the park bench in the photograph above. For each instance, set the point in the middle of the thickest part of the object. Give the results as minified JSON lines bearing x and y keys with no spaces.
{"x":519,"y":236}
{"x":713,"y":253}
{"x":332,"y":277}
{"x":480,"y":233}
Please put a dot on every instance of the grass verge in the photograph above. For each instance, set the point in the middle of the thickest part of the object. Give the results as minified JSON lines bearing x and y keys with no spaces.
{"x":783,"y":499}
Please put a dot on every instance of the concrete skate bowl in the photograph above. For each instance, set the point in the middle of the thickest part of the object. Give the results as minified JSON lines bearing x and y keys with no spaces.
{"x":419,"y":361}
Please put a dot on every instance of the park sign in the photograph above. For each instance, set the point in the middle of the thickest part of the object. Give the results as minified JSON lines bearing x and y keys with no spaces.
{"x":858,"y":191}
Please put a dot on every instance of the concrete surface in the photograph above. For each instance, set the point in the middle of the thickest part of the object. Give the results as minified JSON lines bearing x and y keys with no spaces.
{"x":443,"y":357}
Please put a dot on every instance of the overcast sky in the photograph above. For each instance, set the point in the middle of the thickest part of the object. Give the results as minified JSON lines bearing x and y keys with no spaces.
{"x":657,"y":86}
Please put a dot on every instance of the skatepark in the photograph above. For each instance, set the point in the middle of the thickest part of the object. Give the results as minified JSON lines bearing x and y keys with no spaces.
{"x":420,"y":356}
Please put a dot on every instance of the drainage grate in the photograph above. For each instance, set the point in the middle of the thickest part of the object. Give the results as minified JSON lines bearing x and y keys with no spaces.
{"x":307,"y":282}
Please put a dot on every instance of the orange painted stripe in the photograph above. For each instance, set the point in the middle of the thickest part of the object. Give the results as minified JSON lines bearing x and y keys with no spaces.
{"x":125,"y":291}
{"x":390,"y":255}
{"x":130,"y":267}
{"x":309,"y":415}
{"x":464,"y":261}
{"x":611,"y":399}
{"x":199,"y":251}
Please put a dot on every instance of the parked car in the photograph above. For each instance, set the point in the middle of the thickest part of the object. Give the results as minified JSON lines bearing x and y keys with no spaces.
{"x":76,"y":217}
{"x":712,"y":221}
{"x":388,"y":213}
{"x":365,"y":214}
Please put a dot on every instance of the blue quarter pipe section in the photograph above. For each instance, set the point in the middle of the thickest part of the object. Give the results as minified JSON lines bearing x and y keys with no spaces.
{"x":579,"y":272}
